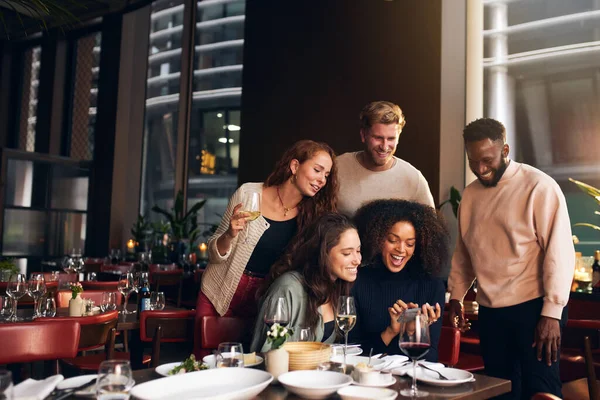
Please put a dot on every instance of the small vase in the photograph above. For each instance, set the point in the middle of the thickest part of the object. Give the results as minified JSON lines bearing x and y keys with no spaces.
{"x":277,"y":362}
{"x":76,"y":306}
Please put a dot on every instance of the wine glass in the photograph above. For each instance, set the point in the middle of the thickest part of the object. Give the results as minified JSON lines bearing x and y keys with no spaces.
{"x":145,"y":259}
{"x":17,"y":288}
{"x":250,"y":206}
{"x":5,"y":307}
{"x":115,"y":256}
{"x":47,"y":307}
{"x":276,"y":311}
{"x":414,"y":342}
{"x":345,"y":318}
{"x":230,"y":354}
{"x":306,"y":334}
{"x":36,"y":289}
{"x":157,"y":300}
{"x":126,"y":286}
{"x":109,"y":301}
{"x":114,"y":380}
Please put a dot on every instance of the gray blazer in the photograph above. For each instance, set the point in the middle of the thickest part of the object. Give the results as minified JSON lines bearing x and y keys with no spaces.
{"x":289,"y":286}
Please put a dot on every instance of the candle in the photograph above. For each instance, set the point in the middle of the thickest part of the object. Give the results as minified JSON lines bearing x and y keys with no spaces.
{"x":203,"y":247}
{"x":130,"y":246}
{"x":582,"y":275}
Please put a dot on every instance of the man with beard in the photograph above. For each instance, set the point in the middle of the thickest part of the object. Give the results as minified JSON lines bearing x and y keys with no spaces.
{"x":375,"y":173}
{"x":515,"y":238}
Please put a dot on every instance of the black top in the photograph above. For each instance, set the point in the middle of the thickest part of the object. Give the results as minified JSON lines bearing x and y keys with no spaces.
{"x":271,"y":245}
{"x":376,"y":289}
{"x":328,"y":329}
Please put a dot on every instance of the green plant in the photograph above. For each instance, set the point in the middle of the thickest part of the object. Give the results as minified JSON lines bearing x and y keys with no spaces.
{"x":454,"y":200}
{"x":42,"y":11}
{"x":183,"y":225}
{"x":76,"y":288}
{"x":277,"y":335}
{"x":595,"y":193}
{"x":8,"y":264}
{"x":142,"y":229}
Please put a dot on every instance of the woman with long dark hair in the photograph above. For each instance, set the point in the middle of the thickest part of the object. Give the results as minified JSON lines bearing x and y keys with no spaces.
{"x":302,"y":186}
{"x":405,"y":245}
{"x":319,"y":267}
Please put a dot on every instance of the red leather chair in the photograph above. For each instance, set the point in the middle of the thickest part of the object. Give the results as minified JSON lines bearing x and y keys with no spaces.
{"x":588,"y":387}
{"x":63,"y":297}
{"x":93,"y":266}
{"x":123,"y":269}
{"x":449,"y":346}
{"x":171,"y":279}
{"x":63,"y":277}
{"x":38,"y":341}
{"x":168,"y":326}
{"x":214,"y":330}
{"x":104,"y":286}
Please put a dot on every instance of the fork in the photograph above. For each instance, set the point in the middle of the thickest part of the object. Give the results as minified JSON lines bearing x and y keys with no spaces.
{"x":442,"y":377}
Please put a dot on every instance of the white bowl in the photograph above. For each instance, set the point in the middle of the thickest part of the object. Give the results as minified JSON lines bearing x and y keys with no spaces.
{"x":366,"y":393}
{"x":218,"y":383}
{"x":314,"y":384}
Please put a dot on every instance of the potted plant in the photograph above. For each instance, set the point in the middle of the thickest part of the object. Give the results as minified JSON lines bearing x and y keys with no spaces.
{"x":142,"y":233}
{"x":76,"y":302}
{"x":277,"y":359}
{"x":595,"y":193}
{"x":7,"y":268}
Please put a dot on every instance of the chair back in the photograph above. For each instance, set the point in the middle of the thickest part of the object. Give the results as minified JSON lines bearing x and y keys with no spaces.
{"x":174,"y":326}
{"x":93,"y":266}
{"x":95,"y":329}
{"x":63,"y":277}
{"x":103,"y":286}
{"x":590,"y":370}
{"x":216,"y":329}
{"x":63,"y":297}
{"x":38,"y":341}
{"x":162,"y":267}
{"x":123,"y":269}
{"x":449,"y":346}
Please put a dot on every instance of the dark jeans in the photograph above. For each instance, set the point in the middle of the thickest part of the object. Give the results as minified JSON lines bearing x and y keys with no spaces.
{"x":507,"y":335}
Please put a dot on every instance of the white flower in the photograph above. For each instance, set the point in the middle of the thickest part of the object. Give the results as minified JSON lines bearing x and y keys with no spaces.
{"x":284,"y":331}
{"x":268,"y":333}
{"x":282,"y":334}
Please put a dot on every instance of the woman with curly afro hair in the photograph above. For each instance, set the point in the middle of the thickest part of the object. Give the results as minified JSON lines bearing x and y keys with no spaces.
{"x":404,"y":245}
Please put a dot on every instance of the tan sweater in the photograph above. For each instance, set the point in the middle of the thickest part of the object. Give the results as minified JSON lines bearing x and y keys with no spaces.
{"x":223,"y":272}
{"x":359,"y":185}
{"x":515,"y":238}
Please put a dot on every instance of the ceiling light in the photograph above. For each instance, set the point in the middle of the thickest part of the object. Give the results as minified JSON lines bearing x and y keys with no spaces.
{"x":219,"y":115}
{"x":233,"y":128}
{"x":222,"y":140}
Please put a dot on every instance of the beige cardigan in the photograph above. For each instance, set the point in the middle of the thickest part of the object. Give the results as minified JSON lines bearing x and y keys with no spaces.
{"x":223,"y":273}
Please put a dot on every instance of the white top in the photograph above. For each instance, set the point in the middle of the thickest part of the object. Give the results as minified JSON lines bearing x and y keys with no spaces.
{"x":359,"y":185}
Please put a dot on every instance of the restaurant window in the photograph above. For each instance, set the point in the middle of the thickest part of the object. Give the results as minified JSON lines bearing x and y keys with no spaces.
{"x":542,"y":81}
{"x":85,"y":53}
{"x":162,"y":102}
{"x":29,"y":98}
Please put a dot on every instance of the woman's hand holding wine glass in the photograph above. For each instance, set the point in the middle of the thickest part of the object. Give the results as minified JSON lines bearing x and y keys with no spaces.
{"x":414,"y":341}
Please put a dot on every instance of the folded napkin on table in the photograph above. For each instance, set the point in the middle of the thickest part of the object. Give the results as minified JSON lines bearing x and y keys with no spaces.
{"x":391,"y":362}
{"x":402,"y":370}
{"x":32,"y":389}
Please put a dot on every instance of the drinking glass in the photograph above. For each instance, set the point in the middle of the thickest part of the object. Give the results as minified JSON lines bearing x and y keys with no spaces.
{"x":251,"y":206}
{"x":414,"y":342}
{"x":5,"y":307}
{"x":92,"y":276}
{"x":115,"y":256}
{"x":109,"y":301}
{"x":276,"y":311}
{"x":55,"y":277}
{"x":17,"y":288}
{"x":48,"y":307}
{"x":345,"y":318}
{"x":230,"y":354}
{"x":306,"y":334}
{"x":6,"y":384}
{"x":114,"y":380}
{"x":157,"y":300}
{"x":145,"y":259}
{"x":36,"y":289}
{"x":126,"y":286}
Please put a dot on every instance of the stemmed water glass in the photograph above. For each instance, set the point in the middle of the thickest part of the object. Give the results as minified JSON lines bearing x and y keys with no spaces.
{"x":109,"y":301}
{"x":17,"y":288}
{"x":5,"y":307}
{"x":126,"y":286}
{"x":114,"y":381}
{"x":230,"y":354}
{"x":157,"y":301}
{"x":276,"y":312}
{"x":250,"y":206}
{"x":47,"y":307}
{"x":414,"y":341}
{"x":345,"y":318}
{"x":36,"y":289}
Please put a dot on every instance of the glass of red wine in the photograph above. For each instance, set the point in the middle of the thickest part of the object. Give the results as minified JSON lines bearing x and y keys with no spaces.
{"x":276,"y":311}
{"x":414,"y":342}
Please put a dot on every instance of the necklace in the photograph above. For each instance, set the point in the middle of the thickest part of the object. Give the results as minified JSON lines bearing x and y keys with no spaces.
{"x":285,"y":209}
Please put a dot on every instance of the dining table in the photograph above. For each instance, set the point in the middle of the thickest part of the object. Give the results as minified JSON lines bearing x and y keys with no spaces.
{"x":484,"y":387}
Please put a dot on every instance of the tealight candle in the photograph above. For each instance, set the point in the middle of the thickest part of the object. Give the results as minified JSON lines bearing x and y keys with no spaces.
{"x":130,"y":246}
{"x":203,"y":248}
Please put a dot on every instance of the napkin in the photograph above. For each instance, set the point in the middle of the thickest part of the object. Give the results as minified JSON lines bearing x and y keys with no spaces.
{"x":391,"y":362}
{"x":32,"y":389}
{"x":408,"y":367}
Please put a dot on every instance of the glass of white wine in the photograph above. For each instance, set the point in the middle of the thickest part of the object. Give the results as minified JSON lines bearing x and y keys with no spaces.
{"x":251,"y":207}
{"x":345,"y":318}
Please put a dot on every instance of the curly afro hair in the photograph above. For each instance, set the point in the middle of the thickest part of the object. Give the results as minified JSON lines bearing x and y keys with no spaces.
{"x":375,"y":219}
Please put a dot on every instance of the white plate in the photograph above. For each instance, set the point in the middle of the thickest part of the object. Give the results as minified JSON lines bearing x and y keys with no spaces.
{"x":314,"y":384}
{"x":457,"y":376}
{"x":353,"y":360}
{"x":352,"y":351}
{"x":384,"y":383}
{"x":78,"y":381}
{"x":405,"y":368}
{"x":165,"y":368}
{"x":210,"y":361}
{"x":213,"y":384}
{"x":366,"y":393}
